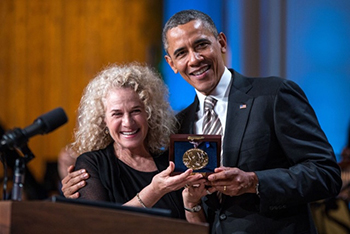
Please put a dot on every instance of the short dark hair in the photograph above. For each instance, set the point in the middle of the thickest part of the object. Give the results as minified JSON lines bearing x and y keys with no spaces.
{"x":185,"y":16}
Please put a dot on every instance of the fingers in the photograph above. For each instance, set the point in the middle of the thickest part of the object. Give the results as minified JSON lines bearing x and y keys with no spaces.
{"x":182,"y":179}
{"x":73,"y":182}
{"x":70,"y":191}
{"x":75,"y":177}
{"x":219,"y":174}
{"x":70,"y":169}
{"x":201,"y":185}
{"x":192,"y":194}
{"x":233,"y":181}
{"x":74,"y":196}
{"x":164,"y":181}
{"x":168,"y":170}
{"x":171,"y":167}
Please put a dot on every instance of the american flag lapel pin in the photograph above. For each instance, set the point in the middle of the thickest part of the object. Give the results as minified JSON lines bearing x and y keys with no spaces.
{"x":242,"y":106}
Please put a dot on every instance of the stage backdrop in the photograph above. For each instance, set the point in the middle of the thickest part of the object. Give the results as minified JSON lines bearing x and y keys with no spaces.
{"x":49,"y":50}
{"x":304,"y":41}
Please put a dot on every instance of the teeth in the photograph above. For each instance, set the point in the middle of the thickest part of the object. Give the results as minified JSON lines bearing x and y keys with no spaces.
{"x":200,"y":71}
{"x":129,"y":133}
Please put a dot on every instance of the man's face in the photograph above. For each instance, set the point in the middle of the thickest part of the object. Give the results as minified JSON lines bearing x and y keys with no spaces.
{"x":196,"y":53}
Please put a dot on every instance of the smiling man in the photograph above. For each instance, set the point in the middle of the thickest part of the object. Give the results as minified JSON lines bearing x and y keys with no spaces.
{"x":275,"y":157}
{"x":195,"y":53}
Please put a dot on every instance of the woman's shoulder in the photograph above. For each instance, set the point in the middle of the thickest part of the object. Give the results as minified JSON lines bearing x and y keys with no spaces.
{"x":100,"y":156}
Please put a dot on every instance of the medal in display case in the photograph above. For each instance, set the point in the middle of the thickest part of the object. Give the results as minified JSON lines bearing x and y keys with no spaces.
{"x":198,"y":152}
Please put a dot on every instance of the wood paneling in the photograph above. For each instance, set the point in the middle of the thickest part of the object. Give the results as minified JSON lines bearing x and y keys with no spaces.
{"x":49,"y":50}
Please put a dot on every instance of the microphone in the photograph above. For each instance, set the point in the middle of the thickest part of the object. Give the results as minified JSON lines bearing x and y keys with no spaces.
{"x":42,"y":125}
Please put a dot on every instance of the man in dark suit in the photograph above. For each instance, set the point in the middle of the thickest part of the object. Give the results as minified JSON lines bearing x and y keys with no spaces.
{"x":275,"y":157}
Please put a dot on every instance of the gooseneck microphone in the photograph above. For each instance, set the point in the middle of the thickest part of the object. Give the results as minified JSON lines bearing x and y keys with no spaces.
{"x":42,"y":125}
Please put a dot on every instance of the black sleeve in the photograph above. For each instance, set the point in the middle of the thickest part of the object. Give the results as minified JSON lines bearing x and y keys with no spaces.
{"x":94,"y":189}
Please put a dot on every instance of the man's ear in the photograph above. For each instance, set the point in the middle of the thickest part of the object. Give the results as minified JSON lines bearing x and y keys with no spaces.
{"x":171,"y":63}
{"x":223,"y":42}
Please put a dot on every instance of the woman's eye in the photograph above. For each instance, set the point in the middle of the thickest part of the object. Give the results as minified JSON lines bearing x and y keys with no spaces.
{"x":117,"y":114}
{"x":136,"y":111}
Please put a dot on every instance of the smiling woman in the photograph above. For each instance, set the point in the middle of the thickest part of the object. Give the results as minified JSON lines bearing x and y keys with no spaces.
{"x":126,"y":121}
{"x":149,"y":92}
{"x":124,"y":126}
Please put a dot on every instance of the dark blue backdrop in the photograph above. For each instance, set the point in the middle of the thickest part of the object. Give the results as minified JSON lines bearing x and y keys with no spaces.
{"x":317,"y":53}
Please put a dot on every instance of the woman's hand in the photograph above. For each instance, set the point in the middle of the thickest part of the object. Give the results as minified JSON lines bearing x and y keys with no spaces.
{"x":192,"y":195}
{"x":164,"y":182}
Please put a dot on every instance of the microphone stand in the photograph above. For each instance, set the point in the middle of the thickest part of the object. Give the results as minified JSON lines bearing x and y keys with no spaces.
{"x":18,"y":180}
{"x":19,"y":172}
{"x":19,"y":169}
{"x":4,"y":162}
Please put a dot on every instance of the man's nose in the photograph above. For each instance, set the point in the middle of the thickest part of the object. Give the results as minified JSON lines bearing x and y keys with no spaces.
{"x":195,"y":57}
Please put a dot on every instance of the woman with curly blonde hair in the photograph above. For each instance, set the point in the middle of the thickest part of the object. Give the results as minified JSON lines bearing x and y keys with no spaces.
{"x":124,"y":127}
{"x":151,"y":90}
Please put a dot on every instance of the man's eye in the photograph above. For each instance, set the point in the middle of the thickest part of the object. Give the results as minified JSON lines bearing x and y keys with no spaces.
{"x":180,"y":54}
{"x":202,"y":45}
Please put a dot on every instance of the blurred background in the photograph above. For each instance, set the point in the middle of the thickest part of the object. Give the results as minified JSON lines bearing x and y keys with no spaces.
{"x":49,"y":50}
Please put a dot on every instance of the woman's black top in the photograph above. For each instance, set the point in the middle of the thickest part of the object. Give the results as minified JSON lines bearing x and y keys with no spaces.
{"x":114,"y":181}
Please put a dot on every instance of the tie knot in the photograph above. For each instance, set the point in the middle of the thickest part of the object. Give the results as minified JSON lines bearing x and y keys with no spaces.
{"x":209,"y":103}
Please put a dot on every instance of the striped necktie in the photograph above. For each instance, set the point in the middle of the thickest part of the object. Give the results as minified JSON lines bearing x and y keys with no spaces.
{"x":211,"y":124}
{"x":211,"y":121}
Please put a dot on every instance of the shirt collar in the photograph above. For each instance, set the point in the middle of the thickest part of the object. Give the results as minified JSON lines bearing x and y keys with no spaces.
{"x":220,"y":92}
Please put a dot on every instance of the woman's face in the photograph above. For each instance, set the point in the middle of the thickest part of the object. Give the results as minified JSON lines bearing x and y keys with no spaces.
{"x":126,"y":119}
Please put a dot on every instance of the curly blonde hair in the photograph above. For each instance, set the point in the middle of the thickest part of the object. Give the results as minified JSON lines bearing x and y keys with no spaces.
{"x":147,"y":83}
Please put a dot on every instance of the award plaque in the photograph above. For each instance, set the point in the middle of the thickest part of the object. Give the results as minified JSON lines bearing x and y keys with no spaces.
{"x":201,"y":153}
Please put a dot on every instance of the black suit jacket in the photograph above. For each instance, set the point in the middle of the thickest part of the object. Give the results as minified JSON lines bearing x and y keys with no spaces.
{"x":271,"y":129}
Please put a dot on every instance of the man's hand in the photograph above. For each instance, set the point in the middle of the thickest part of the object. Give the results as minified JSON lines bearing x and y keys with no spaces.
{"x":233,"y":181}
{"x":73,"y":182}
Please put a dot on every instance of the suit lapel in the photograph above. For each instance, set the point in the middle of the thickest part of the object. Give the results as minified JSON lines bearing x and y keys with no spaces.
{"x":239,"y":106}
{"x":187,"y":117}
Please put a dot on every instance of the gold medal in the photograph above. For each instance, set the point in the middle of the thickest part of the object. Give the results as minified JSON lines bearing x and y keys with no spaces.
{"x":195,"y":159}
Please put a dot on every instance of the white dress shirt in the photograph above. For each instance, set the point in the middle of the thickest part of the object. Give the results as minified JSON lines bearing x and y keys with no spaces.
{"x":220,"y":93}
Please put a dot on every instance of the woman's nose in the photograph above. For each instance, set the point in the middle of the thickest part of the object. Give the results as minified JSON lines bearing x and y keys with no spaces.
{"x":127,"y":120}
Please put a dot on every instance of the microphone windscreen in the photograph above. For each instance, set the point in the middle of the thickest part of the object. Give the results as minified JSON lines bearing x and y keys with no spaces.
{"x":53,"y":119}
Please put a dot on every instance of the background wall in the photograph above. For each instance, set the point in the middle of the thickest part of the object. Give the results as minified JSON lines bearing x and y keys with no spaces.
{"x":304,"y":41}
{"x":49,"y":50}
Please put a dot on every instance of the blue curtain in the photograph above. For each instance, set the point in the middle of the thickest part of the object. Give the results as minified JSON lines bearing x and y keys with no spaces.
{"x":304,"y":41}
